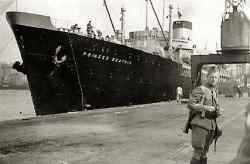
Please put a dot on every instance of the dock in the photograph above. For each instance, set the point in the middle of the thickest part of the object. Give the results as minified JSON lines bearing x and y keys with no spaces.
{"x":142,"y":134}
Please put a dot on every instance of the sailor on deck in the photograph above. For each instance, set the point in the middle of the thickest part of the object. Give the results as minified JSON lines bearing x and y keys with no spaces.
{"x":89,"y":29}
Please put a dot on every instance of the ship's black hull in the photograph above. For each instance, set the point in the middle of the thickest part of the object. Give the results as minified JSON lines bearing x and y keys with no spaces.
{"x":94,"y":72}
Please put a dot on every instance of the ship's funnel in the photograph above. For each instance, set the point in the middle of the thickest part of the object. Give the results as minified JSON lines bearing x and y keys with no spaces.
{"x":235,"y":30}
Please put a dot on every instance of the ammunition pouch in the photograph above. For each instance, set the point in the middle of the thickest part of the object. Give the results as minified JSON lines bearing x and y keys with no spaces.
{"x":211,"y":115}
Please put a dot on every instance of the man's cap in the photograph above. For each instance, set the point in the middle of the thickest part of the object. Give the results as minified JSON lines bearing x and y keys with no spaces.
{"x":212,"y":69}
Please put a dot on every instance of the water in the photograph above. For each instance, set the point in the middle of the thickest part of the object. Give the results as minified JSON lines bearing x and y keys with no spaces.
{"x":15,"y":104}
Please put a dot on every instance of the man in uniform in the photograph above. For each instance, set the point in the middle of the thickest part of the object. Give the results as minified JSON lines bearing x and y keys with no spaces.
{"x":203,"y":105}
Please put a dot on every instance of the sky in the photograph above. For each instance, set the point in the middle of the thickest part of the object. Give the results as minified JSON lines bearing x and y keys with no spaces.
{"x":205,"y":15}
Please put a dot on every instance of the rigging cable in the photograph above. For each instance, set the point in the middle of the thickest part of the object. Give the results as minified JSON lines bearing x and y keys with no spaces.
{"x":158,"y":20}
{"x":105,"y":4}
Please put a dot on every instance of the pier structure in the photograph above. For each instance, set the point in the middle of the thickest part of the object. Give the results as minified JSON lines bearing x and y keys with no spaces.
{"x":235,"y":45}
{"x":197,"y":61}
{"x":141,"y":134}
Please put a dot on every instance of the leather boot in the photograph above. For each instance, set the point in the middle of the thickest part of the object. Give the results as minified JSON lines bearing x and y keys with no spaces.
{"x":204,"y":160}
{"x":195,"y":161}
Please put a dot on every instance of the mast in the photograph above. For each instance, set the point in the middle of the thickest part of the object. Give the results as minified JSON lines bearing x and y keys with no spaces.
{"x":170,"y":27}
{"x":16,"y":5}
{"x":146,"y":28}
{"x":105,"y":4}
{"x":123,"y":25}
{"x":179,"y":12}
{"x":226,"y":7}
{"x":158,"y":21}
{"x":163,"y":14}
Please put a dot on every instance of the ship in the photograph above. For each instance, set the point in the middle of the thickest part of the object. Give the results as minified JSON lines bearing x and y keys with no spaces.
{"x":68,"y":71}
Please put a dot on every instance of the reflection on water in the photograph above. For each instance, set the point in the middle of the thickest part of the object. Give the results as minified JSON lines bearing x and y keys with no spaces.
{"x":15,"y":104}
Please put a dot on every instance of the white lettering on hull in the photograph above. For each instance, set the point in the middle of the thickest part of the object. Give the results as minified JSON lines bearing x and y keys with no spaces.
{"x":106,"y":58}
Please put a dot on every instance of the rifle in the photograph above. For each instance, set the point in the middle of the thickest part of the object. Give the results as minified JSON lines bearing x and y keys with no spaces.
{"x":218,"y":130}
{"x":191,"y":115}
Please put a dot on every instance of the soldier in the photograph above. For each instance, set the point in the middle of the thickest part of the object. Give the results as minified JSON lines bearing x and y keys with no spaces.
{"x":203,"y":105}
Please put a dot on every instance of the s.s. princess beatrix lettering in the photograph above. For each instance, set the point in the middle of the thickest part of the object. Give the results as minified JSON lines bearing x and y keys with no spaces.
{"x":106,"y":58}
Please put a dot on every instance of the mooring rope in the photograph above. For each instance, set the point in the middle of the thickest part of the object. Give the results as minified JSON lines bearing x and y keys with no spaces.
{"x":77,"y":73}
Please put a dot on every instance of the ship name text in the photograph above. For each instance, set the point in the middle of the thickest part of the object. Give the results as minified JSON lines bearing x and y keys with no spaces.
{"x":106,"y":58}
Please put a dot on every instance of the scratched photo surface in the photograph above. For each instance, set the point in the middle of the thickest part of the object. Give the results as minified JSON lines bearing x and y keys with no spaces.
{"x":109,"y":82}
